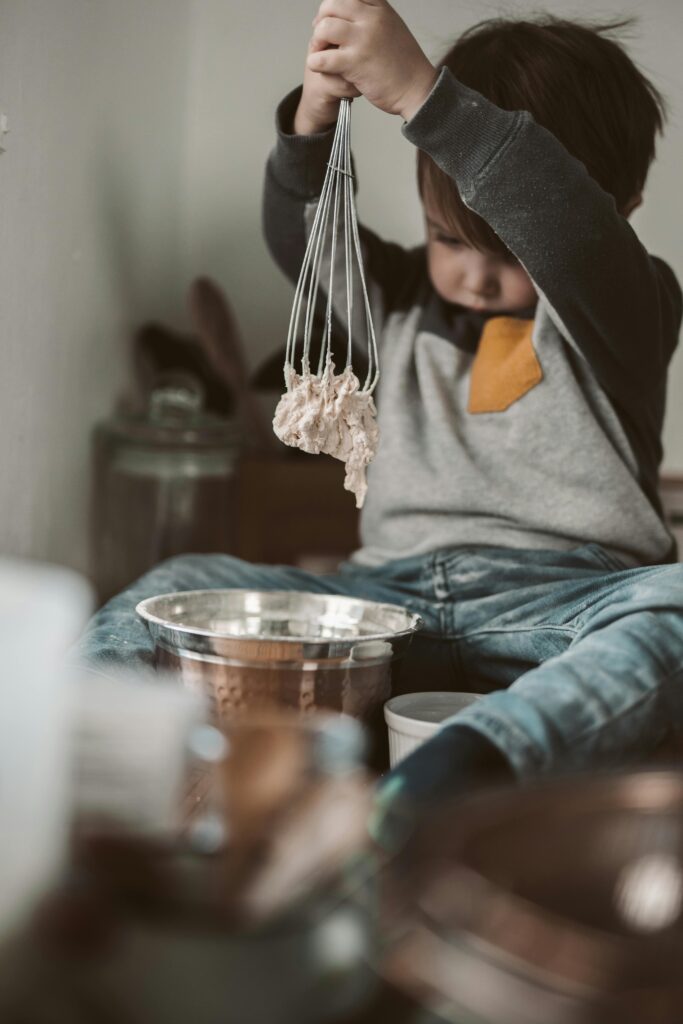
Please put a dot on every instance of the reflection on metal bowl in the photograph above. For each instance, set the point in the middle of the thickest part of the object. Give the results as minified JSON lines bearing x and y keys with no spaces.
{"x":249,"y":650}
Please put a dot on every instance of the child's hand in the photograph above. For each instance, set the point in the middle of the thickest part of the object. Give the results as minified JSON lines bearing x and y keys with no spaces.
{"x":319,"y":104}
{"x":375,"y":52}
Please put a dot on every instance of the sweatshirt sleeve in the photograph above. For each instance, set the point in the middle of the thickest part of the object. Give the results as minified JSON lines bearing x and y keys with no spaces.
{"x":617,"y":305}
{"x":295,"y":173}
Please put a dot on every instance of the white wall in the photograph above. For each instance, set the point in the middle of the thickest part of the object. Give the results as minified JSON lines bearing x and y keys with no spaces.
{"x":247,"y":56}
{"x":91,"y":232}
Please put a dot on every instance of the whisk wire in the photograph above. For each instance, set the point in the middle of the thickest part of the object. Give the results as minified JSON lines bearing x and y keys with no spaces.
{"x":337,"y":192}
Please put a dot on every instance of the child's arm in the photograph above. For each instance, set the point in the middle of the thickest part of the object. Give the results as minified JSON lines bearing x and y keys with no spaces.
{"x":620,"y":307}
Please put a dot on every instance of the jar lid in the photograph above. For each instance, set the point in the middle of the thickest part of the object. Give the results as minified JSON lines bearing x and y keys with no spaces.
{"x":175,"y":416}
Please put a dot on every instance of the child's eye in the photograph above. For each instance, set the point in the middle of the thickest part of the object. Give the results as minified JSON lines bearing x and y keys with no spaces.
{"x":453,"y":242}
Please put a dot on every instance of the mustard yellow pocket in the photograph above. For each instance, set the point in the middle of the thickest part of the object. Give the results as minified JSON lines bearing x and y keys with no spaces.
{"x":505,"y":366}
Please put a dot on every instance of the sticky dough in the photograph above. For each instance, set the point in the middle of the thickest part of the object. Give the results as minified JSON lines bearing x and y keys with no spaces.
{"x":330,"y":414}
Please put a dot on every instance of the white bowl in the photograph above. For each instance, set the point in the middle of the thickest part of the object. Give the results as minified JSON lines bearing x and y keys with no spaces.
{"x":413,"y":717}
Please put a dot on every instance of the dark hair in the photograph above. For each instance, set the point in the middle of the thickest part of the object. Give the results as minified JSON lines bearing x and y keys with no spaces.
{"x":576,"y":82}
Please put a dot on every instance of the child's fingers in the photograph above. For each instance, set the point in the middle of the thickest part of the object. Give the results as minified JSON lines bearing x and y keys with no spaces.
{"x":329,"y":62}
{"x":348,"y":9}
{"x":339,"y":88}
{"x":342,"y":87}
{"x":316,"y":44}
{"x":333,"y":30}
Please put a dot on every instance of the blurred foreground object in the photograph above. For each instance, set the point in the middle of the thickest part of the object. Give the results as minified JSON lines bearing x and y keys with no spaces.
{"x":132,"y":746}
{"x":257,"y":916}
{"x":42,"y":610}
{"x":297,"y":802}
{"x":560,"y":903}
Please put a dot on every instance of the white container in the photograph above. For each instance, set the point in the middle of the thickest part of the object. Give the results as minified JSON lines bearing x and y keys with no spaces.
{"x":413,"y":717}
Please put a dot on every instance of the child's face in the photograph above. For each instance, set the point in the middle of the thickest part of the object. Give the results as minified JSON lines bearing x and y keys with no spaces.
{"x":467,"y":277}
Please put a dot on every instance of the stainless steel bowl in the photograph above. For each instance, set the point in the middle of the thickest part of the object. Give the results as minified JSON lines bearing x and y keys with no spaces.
{"x":249,"y":650}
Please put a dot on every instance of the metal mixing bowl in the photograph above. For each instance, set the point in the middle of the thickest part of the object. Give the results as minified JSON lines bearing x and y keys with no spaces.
{"x":249,"y":650}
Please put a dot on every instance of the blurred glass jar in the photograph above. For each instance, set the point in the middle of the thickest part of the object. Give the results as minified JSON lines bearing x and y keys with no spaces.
{"x":164,"y":484}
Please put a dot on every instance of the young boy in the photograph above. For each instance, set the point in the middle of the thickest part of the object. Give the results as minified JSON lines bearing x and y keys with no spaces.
{"x":524,"y":349}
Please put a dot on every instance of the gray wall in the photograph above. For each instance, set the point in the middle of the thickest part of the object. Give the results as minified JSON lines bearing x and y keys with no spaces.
{"x":92,"y":196}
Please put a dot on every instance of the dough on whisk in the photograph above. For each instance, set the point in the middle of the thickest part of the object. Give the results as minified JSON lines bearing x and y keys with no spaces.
{"x":330,"y":414}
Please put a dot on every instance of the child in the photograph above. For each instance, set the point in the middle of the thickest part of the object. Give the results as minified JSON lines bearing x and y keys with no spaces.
{"x":513,"y":501}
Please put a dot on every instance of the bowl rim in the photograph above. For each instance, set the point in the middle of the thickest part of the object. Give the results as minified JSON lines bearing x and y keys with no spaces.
{"x":416,"y":621}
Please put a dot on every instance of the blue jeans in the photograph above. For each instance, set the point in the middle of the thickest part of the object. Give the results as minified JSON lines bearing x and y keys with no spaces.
{"x":581,"y":659}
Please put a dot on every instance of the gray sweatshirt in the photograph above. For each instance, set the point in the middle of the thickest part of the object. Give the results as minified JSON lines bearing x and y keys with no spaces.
{"x":537,"y":430}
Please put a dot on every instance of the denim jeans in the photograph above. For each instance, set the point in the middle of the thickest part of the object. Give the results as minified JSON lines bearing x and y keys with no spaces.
{"x":580,"y":658}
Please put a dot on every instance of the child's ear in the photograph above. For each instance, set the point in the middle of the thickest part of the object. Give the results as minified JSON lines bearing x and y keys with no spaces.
{"x":632,"y":205}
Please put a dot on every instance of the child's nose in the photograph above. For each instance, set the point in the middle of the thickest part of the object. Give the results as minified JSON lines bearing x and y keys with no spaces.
{"x":481,"y":278}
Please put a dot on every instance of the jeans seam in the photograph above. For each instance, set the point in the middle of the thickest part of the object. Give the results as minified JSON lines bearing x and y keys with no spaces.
{"x":517,"y":629}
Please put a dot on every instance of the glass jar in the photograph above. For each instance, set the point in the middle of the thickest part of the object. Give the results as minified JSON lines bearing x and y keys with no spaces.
{"x":164,"y":484}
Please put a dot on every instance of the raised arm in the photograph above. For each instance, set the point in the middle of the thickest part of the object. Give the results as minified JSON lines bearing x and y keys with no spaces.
{"x":620,"y":307}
